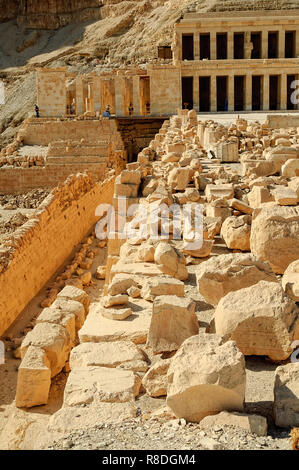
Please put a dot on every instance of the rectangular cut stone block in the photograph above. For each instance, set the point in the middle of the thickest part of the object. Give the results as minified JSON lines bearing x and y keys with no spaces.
{"x":227,"y":151}
{"x":34,"y":379}
{"x":173,"y":321}
{"x":97,"y":328}
{"x":223,"y":191}
{"x":162,"y":285}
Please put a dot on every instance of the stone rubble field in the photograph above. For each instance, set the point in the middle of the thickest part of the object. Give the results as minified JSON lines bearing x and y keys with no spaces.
{"x":183,"y":347}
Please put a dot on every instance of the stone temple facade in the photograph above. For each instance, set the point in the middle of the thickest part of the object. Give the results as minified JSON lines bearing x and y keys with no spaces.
{"x":220,"y":62}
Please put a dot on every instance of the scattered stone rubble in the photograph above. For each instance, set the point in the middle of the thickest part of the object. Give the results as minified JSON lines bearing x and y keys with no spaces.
{"x":144,"y":336}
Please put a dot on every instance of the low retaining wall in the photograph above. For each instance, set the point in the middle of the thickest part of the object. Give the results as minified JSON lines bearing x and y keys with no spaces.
{"x":33,"y":253}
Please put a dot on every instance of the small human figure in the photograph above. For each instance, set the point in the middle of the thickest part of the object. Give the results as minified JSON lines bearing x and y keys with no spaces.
{"x":131,"y":109}
{"x":226,"y":105}
{"x":186,"y":105}
{"x":107,"y":111}
{"x":148,"y":107}
{"x":36,"y":111}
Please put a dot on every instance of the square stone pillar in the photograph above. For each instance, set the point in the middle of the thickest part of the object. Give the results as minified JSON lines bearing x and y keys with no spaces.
{"x":196,"y":93}
{"x":136,"y":95}
{"x":231,"y":93}
{"x":230,"y":45}
{"x":213,"y":45}
{"x":265,"y":44}
{"x":196,"y":46}
{"x":283,"y":92}
{"x":79,"y":96}
{"x":119,"y":88}
{"x":248,"y":93}
{"x":97,"y":94}
{"x":266,"y":92}
{"x":213,"y":92}
{"x":281,"y":44}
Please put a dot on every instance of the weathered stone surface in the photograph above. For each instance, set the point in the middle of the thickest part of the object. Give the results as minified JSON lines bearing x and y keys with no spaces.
{"x":259,"y":195}
{"x":236,"y":232}
{"x":72,"y":293}
{"x":286,"y":395}
{"x":112,"y":300}
{"x":290,"y":280}
{"x":121,"y":283}
{"x":170,"y":261}
{"x":155,"y":380}
{"x":219,"y":191}
{"x":275,"y":236}
{"x":285,"y":196}
{"x":162,"y":285}
{"x":59,"y":317}
{"x":240,"y":206}
{"x":225,"y":273}
{"x":211,"y":227}
{"x":173,"y":321}
{"x":93,"y":385}
{"x":34,"y":379}
{"x":70,"y":419}
{"x":178,"y":178}
{"x":54,"y":340}
{"x":72,"y":307}
{"x":121,"y":354}
{"x":116,"y":313}
{"x":290,"y":168}
{"x":99,"y":329}
{"x":253,"y":423}
{"x":206,"y":376}
{"x":198,"y":249}
{"x":100,"y":272}
{"x":261,"y":319}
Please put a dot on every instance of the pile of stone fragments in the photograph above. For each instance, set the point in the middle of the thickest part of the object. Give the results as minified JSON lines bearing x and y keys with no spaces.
{"x":144,"y":337}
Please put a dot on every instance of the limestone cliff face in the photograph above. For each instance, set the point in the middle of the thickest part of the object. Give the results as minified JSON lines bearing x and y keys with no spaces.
{"x":49,"y":14}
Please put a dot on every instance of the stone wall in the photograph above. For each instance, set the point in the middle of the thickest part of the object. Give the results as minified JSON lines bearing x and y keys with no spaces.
{"x":278,"y":121}
{"x":165,"y":90}
{"x":37,"y":249}
{"x":8,"y":9}
{"x":51,"y":92}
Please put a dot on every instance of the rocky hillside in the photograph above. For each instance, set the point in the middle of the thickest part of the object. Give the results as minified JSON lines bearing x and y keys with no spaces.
{"x":117,"y":32}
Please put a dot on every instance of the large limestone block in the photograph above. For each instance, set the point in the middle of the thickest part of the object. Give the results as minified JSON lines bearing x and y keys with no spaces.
{"x":219,"y":191}
{"x":98,"y":329}
{"x":121,"y":283}
{"x":286,"y":395}
{"x":121,"y":354}
{"x":155,"y":380}
{"x":179,"y":178}
{"x":136,"y":269}
{"x":130,"y":177}
{"x":285,"y":196}
{"x":59,"y":317}
{"x":170,"y":261}
{"x":73,"y":293}
{"x":252,"y":423}
{"x":116,"y":313}
{"x":70,"y":419}
{"x":71,"y":307}
{"x":54,"y":340}
{"x":202,"y":251}
{"x":162,"y":285}
{"x":93,"y":385}
{"x":206,"y":376}
{"x":261,"y":319}
{"x":290,"y":280}
{"x":34,"y":379}
{"x":222,"y":274}
{"x":173,"y":321}
{"x":275,"y":236}
{"x":290,"y":168}
{"x":235,"y":231}
{"x":259,"y":195}
{"x":211,"y":227}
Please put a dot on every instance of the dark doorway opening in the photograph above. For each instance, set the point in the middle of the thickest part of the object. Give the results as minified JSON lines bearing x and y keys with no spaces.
{"x":222,"y":101}
{"x":274,"y":92}
{"x":164,"y":52}
{"x":187,"y":92}
{"x":204,"y":94}
{"x":222,"y":46}
{"x":239,"y":93}
{"x":290,"y":44}
{"x":256,"y":93}
{"x":273,"y":45}
{"x":239,"y":45}
{"x":205,"y":46}
{"x":290,"y":91}
{"x":256,"y":39}
{"x":188,"y":47}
